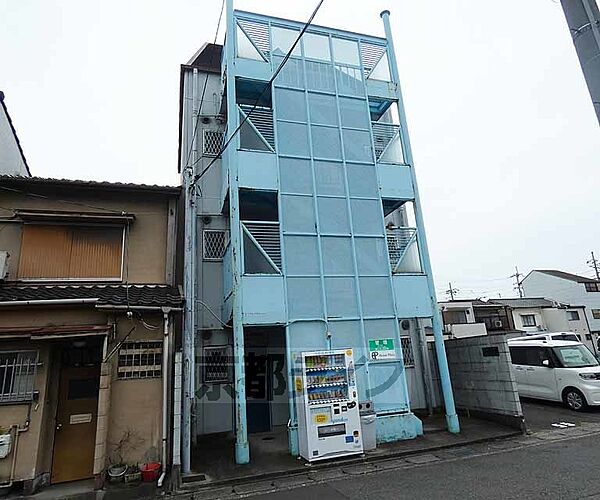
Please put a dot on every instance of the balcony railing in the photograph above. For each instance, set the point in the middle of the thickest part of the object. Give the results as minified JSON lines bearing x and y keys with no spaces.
{"x":403,"y":250}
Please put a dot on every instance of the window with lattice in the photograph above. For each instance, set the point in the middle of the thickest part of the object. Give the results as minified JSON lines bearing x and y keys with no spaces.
{"x":407,"y":351}
{"x":215,"y":241}
{"x":216,"y":364}
{"x":212,"y":142}
{"x":141,"y":359}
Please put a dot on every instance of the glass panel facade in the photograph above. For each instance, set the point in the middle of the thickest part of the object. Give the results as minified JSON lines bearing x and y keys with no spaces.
{"x":333,"y":215}
{"x":337,"y":255}
{"x":298,"y":214}
{"x":323,"y":109}
{"x":345,"y":51}
{"x":330,"y":178}
{"x":293,"y":139}
{"x":290,"y":105}
{"x":295,"y":176}
{"x":316,"y":46}
{"x":282,"y":40}
{"x":326,"y":142}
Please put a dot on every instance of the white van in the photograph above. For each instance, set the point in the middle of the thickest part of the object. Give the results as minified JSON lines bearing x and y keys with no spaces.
{"x":556,"y":370}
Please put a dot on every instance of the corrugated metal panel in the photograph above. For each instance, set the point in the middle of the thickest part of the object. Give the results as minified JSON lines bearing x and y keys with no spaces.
{"x":262,"y":119}
{"x":62,"y":252}
{"x":370,"y":54}
{"x":267,"y":235}
{"x":258,"y":33}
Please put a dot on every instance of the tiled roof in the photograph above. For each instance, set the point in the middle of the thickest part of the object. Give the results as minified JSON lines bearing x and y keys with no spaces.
{"x":133,"y":295}
{"x":120,"y":186}
{"x":566,"y":276}
{"x":527,"y":302}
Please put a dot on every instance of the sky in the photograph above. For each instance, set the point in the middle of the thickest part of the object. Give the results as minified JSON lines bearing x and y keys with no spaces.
{"x":504,"y":137}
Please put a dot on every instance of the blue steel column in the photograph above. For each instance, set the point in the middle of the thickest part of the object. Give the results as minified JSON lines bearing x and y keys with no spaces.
{"x":451,"y":416}
{"x":242,"y":449}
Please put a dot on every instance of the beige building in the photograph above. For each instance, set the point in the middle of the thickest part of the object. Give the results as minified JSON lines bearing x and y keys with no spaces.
{"x":88,"y":312}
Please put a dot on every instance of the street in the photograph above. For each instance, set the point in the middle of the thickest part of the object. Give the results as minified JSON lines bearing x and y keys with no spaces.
{"x":552,"y":462}
{"x":565,"y":469}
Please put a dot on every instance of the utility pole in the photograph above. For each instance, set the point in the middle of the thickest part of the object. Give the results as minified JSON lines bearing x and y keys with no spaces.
{"x":451,"y":291}
{"x":594,"y":263}
{"x":518,"y":284}
{"x":583,"y":20}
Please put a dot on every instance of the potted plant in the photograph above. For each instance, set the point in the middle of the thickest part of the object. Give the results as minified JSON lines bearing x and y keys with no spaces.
{"x":133,"y":474}
{"x":118,"y":469}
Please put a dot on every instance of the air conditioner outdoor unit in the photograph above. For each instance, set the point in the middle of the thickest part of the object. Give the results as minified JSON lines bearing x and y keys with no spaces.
{"x":3,"y":264}
{"x":497,"y":323}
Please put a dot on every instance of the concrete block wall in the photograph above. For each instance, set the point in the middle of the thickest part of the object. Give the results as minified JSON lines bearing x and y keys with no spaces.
{"x":482,"y":384}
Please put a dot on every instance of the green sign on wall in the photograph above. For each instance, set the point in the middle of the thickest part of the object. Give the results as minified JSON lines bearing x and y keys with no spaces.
{"x":382,"y":349}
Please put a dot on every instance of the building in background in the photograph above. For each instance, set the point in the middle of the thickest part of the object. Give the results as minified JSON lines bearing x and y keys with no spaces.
{"x":474,"y":317}
{"x":514,"y":318}
{"x":12,"y":158}
{"x":569,"y":289}
{"x":305,"y":234}
{"x":88,"y":312}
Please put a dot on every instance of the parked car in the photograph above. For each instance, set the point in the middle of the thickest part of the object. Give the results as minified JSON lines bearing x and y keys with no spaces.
{"x":556,"y":370}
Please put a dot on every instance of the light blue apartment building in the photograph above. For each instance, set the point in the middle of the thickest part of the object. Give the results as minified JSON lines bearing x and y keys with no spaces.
{"x":305,"y":234}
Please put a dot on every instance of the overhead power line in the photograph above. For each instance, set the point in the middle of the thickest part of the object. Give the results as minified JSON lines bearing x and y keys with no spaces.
{"x":267,"y":86}
{"x":190,"y":149}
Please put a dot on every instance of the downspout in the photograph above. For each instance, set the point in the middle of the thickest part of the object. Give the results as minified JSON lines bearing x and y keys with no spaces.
{"x":451,"y":416}
{"x":165,"y":393}
{"x":18,"y":431}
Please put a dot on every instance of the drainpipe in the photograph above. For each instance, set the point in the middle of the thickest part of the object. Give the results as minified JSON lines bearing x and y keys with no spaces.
{"x":451,"y":416}
{"x":165,"y":394}
{"x":242,"y":448}
{"x":18,"y":431}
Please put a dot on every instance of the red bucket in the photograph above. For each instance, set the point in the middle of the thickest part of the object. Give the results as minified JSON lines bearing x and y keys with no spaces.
{"x":150,"y":472}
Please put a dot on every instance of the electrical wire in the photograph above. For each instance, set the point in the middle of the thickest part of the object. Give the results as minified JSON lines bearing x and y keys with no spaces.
{"x":36,"y":195}
{"x":267,"y":86}
{"x":203,"y":92}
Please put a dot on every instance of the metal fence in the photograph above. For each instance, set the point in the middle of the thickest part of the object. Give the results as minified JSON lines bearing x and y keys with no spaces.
{"x":398,"y":241}
{"x":17,"y":375}
{"x":383,"y":133}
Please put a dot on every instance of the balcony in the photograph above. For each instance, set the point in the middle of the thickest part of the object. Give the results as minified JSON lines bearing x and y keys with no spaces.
{"x":461,"y":330}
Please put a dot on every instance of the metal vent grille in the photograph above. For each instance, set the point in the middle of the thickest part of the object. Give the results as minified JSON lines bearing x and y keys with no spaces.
{"x":262,"y":119}
{"x":212,"y":142}
{"x":140,"y":360}
{"x":371,"y":54}
{"x":258,"y":33}
{"x":214,"y":245}
{"x":216,"y":364}
{"x":17,"y":375}
{"x":407,"y":351}
{"x":267,"y":236}
{"x":383,"y":133}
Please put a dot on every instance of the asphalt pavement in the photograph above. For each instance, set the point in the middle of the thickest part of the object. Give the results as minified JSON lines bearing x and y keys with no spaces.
{"x":565,"y":469}
{"x":540,"y":415}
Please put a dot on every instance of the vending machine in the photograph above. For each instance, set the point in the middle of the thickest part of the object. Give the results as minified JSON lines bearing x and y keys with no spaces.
{"x":328,"y":418}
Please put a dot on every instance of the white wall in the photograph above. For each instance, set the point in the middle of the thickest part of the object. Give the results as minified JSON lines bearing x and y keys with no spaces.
{"x":538,"y":284}
{"x":539,"y":319}
{"x":11,"y":161}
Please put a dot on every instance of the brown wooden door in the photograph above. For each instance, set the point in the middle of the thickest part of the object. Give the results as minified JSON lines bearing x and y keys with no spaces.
{"x":76,"y":416}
